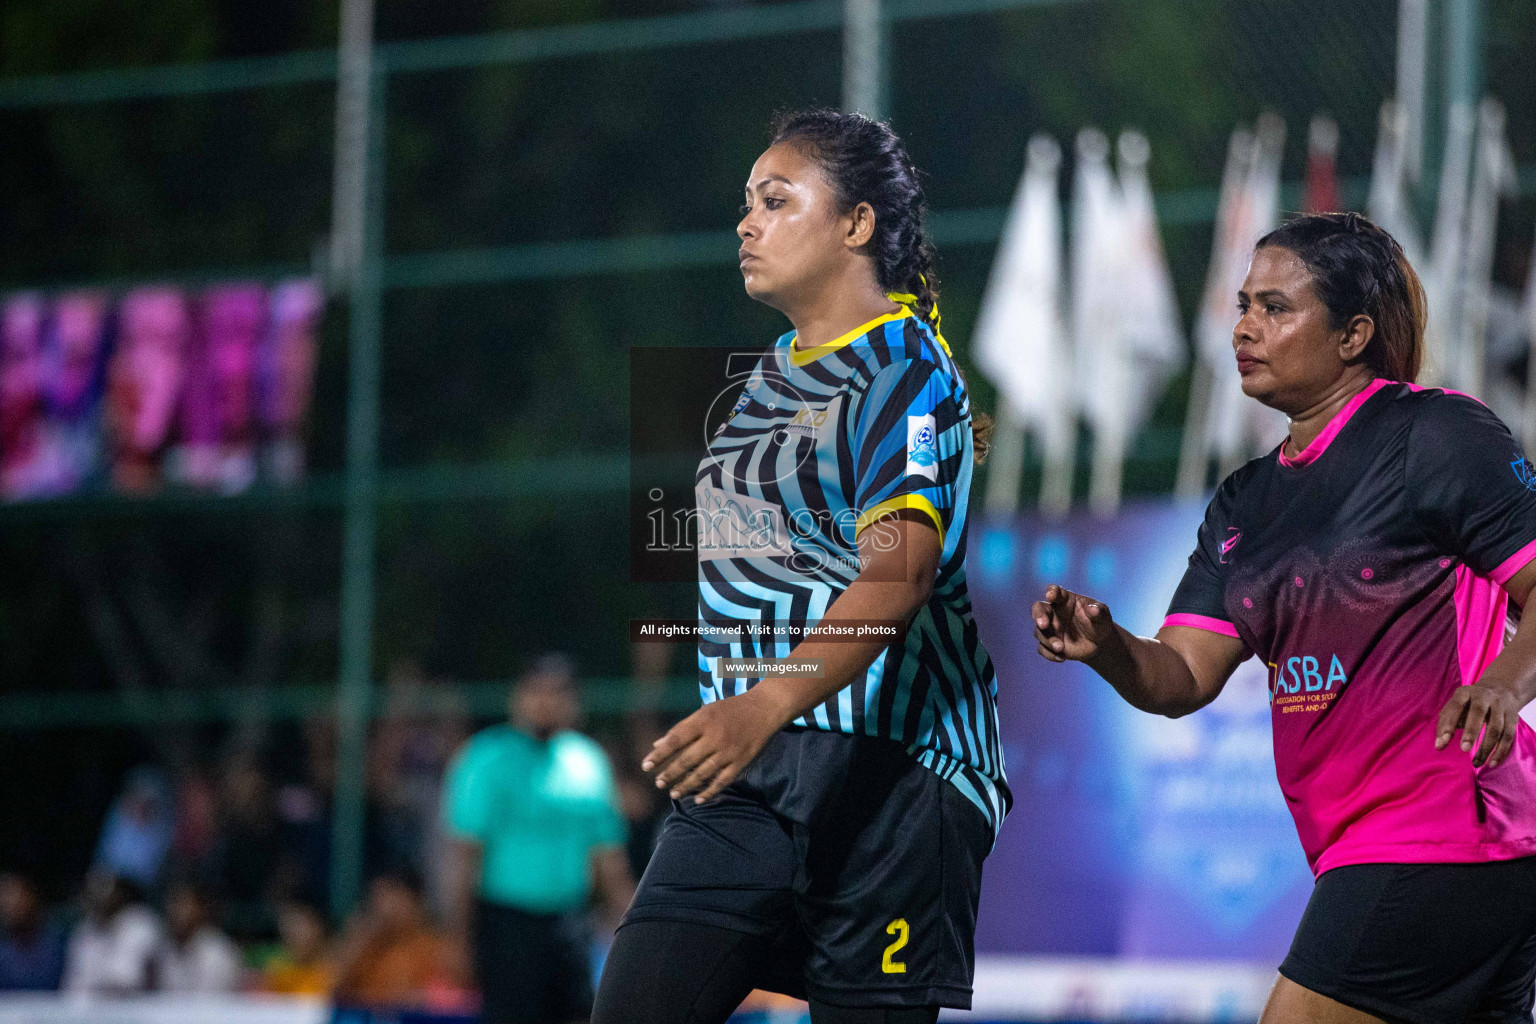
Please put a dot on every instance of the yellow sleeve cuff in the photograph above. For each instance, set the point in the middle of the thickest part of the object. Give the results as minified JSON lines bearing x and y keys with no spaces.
{"x":917,"y":501}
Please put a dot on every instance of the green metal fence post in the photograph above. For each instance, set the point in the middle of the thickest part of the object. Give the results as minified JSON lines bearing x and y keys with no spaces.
{"x":354,"y":692}
{"x":864,"y":56}
{"x":1453,"y":75}
{"x":1464,"y":53}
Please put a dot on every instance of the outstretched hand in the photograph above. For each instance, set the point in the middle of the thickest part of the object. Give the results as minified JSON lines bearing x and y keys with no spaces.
{"x":1070,"y":627}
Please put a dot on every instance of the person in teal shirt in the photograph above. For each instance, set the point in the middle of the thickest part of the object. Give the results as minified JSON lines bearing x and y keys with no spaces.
{"x":533,"y":815}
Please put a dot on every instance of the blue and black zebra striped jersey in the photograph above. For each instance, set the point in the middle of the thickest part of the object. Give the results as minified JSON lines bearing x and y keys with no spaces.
{"x":820,"y":443}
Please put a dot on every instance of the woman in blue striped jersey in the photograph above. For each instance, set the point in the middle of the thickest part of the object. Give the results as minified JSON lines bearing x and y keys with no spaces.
{"x":834,"y":798}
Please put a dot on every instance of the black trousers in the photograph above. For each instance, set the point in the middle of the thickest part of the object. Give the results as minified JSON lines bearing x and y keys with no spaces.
{"x":681,"y":972}
{"x":532,"y":968}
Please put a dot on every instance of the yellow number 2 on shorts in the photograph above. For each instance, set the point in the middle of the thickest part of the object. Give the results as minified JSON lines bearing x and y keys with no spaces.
{"x":902,"y":932}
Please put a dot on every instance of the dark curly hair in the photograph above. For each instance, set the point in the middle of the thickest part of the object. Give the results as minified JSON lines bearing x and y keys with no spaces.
{"x":865,"y":162}
{"x":1357,"y":268}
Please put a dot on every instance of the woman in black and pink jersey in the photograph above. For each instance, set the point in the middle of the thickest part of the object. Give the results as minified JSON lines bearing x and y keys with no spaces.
{"x":1371,"y":561}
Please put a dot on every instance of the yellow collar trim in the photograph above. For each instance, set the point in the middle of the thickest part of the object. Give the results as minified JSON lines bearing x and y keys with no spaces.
{"x":804,"y":357}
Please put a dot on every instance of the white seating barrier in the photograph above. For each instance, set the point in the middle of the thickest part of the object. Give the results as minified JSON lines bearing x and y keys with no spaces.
{"x":161,"y":1009}
{"x":1107,"y":989}
{"x":1035,"y":989}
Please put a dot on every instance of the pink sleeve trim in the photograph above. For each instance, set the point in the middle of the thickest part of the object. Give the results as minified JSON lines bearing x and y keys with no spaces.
{"x":1513,"y":564}
{"x":1204,"y":622}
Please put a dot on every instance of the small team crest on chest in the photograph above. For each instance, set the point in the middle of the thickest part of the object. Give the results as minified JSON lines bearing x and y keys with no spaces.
{"x":922,"y":447}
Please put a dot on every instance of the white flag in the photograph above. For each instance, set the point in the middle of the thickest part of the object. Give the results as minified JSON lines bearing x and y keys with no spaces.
{"x":1528,"y":307}
{"x":1265,"y":427}
{"x":1528,"y":319}
{"x":1218,"y":303}
{"x":1493,"y":178}
{"x":1125,"y":323}
{"x":1098,"y":264}
{"x":1214,"y":321}
{"x":1020,"y":342}
{"x":1238,"y":425}
{"x":1388,"y":202}
{"x":1152,"y":333}
{"x":1445,"y":337}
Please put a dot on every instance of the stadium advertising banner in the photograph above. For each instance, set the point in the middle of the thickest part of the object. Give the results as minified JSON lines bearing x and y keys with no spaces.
{"x":206,"y":388}
{"x":1131,"y":834}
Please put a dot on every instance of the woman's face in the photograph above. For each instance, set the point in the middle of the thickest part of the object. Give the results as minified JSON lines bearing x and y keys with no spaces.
{"x":792,"y":236}
{"x":1287,"y":354}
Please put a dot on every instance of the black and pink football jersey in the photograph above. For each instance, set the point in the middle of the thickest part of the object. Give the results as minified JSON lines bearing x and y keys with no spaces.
{"x":1367,"y":573}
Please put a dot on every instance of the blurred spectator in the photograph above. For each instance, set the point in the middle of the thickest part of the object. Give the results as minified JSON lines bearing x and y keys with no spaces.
{"x":304,"y":844}
{"x":535,"y":815}
{"x":391,"y":956}
{"x":112,"y":949}
{"x":31,"y":946}
{"x":247,"y":850}
{"x":304,"y":966}
{"x":304,"y":817}
{"x":413,"y":740}
{"x":197,"y":816}
{"x":195,"y":956}
{"x":138,"y":831}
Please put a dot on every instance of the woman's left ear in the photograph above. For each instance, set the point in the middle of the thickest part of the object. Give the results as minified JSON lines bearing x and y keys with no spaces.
{"x":1357,"y":335}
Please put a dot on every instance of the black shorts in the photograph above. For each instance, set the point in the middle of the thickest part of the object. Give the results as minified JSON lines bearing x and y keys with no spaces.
{"x":862,"y":867}
{"x":532,"y":968}
{"x":1422,"y":943}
